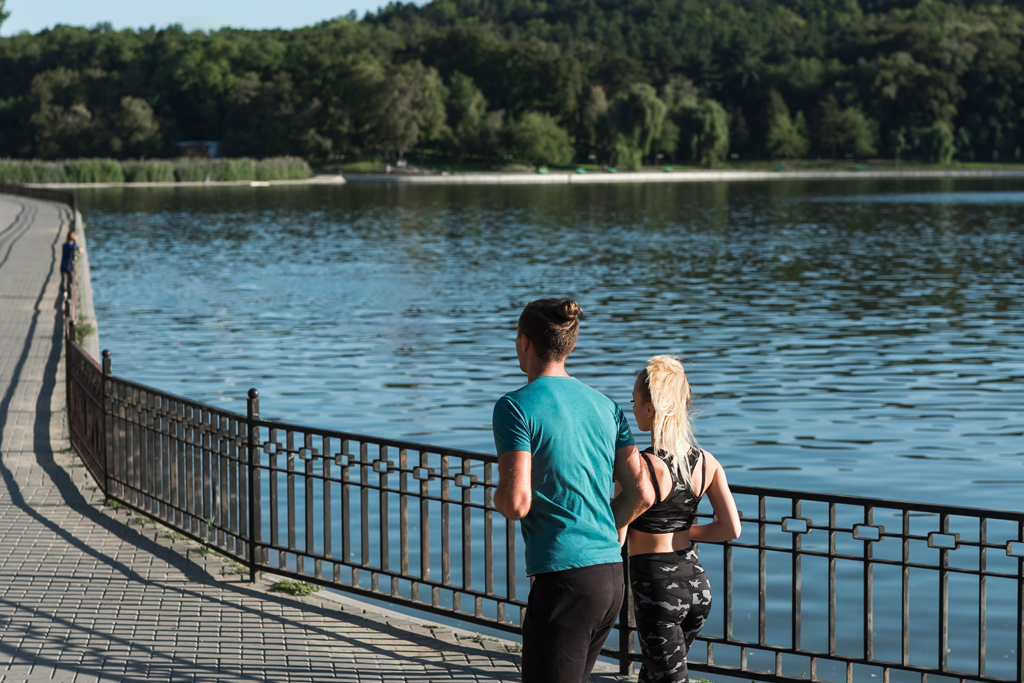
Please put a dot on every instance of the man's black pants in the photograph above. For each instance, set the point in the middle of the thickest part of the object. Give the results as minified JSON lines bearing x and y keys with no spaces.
{"x":568,"y":616}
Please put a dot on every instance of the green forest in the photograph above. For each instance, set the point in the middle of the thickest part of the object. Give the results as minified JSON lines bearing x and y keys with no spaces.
{"x":618,"y":82}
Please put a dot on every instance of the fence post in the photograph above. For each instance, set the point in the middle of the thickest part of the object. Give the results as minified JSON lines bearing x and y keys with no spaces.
{"x":108,"y":423}
{"x":252,"y":414}
{"x":1020,"y":607}
{"x":69,"y":381}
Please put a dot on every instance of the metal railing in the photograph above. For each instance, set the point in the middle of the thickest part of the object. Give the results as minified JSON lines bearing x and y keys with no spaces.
{"x":850,"y":588}
{"x":60,"y":196}
{"x":818,"y":587}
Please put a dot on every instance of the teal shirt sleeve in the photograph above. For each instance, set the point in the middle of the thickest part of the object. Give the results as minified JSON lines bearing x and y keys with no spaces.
{"x":623,"y":437}
{"x":511,"y":431}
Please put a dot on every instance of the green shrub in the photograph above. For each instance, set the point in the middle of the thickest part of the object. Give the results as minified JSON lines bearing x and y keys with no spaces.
{"x":537,"y":138}
{"x":626,"y":157}
{"x":282,"y":168}
{"x":93,"y":171}
{"x":295,"y":587}
{"x":153,"y":171}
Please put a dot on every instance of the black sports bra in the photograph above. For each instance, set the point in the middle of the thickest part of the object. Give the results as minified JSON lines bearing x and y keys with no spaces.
{"x":679,"y":508}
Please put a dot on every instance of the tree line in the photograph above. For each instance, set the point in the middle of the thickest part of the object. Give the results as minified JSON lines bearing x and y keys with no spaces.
{"x":622,"y":82}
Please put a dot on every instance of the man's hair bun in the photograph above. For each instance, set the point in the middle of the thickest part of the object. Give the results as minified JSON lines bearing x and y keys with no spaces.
{"x":552,"y":325}
{"x":569,"y":310}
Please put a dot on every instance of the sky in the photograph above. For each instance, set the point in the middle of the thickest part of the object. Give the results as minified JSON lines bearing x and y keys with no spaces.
{"x":35,"y":15}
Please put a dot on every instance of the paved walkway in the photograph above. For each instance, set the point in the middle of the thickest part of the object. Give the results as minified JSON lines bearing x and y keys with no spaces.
{"x":89,"y":594}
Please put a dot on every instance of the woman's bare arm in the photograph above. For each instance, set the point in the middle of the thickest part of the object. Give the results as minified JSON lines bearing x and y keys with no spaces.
{"x":726,"y":525}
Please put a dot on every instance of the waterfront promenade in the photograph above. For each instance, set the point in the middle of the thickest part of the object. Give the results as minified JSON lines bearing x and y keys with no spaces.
{"x":88,"y":593}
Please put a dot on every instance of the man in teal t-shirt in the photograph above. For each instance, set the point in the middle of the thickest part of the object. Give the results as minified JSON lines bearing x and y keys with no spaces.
{"x":570,"y":523}
{"x":559,"y":444}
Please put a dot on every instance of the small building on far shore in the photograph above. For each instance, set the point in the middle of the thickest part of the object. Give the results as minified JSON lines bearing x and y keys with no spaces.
{"x":198,"y":149}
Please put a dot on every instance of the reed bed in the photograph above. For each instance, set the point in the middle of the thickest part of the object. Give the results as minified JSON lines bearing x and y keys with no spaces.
{"x":93,"y":171}
{"x":18,"y":171}
{"x":151,"y":171}
{"x":33,"y":171}
{"x":214,"y":169}
{"x":282,"y":168}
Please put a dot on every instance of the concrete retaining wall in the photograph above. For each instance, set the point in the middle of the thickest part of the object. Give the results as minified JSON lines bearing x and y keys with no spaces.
{"x":86,"y":312}
{"x":695,"y":176}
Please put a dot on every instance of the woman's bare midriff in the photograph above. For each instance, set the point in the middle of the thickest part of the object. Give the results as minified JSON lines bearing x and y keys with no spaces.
{"x":641,"y":543}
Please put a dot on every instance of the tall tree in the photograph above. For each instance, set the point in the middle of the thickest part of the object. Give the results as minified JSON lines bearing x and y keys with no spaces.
{"x":635,"y":120}
{"x":938,"y":142}
{"x":844,"y":131}
{"x":787,"y":136}
{"x":704,"y":131}
{"x":62,"y":122}
{"x":404,"y":105}
{"x":472,"y":129}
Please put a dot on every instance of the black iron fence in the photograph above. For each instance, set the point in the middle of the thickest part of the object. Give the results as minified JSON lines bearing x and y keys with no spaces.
{"x":818,"y":587}
{"x":60,"y":196}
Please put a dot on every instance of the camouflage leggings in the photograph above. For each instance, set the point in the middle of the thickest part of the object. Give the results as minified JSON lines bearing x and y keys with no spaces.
{"x":672,"y":600}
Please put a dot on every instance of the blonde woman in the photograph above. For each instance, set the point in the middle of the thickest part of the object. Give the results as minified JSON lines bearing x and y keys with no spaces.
{"x":671,"y":593}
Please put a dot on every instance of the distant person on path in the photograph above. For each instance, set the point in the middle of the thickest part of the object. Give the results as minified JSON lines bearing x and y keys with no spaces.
{"x":560,"y":443}
{"x":67,"y":264}
{"x":671,"y":592}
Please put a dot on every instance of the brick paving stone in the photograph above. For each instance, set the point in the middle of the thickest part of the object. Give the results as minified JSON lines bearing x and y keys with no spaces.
{"x":89,"y":596}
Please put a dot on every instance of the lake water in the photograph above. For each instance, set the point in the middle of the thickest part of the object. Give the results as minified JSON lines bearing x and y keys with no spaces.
{"x":860,"y":338}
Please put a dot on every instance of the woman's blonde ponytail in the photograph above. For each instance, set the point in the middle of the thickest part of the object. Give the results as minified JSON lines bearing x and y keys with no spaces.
{"x":668,"y":390}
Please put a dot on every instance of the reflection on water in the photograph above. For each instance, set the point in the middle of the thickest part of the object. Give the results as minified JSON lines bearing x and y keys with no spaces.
{"x":857,"y":338}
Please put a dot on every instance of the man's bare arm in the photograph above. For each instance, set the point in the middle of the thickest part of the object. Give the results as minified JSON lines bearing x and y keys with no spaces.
{"x":514,"y":494}
{"x":637,"y":492}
